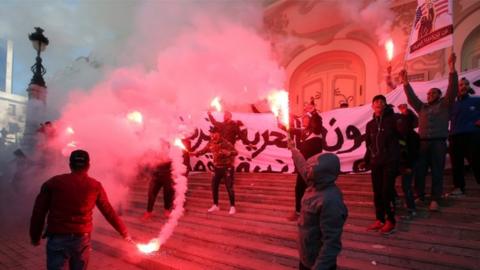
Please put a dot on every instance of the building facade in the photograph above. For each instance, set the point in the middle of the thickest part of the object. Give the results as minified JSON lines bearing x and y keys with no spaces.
{"x":12,"y":106}
{"x":335,"y":59}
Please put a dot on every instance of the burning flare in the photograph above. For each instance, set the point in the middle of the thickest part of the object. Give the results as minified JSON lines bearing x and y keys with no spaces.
{"x":216,"y":104}
{"x":152,"y":246}
{"x":389,"y":49}
{"x":135,"y":117}
{"x":278,"y":101}
{"x":178,"y":143}
{"x":69,"y":131}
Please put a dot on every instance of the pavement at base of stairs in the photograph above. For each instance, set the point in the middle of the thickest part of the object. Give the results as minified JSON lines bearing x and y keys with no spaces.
{"x":16,"y":253}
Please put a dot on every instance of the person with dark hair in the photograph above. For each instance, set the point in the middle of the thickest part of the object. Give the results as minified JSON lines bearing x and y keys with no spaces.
{"x":464,"y":136}
{"x":433,"y":130}
{"x":310,"y":145}
{"x":224,"y":154}
{"x":68,"y":201}
{"x":160,"y":177}
{"x":323,"y":211}
{"x":382,"y":156}
{"x":229,"y":129}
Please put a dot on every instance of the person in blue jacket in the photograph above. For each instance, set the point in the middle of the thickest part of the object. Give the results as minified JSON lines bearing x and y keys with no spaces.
{"x":464,"y":137}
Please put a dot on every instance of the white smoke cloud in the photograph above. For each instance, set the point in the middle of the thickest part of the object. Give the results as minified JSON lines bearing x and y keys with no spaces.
{"x":374,"y":14}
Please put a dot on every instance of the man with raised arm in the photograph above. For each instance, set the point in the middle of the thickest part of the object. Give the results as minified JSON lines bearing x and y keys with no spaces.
{"x":433,"y":130}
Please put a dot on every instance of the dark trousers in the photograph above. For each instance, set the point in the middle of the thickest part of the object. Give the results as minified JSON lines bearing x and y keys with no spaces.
{"x":300,"y":187}
{"x":219,"y":174}
{"x":407,"y":190}
{"x":432,"y":155}
{"x":156,"y":183}
{"x":73,"y":250}
{"x":464,"y":146}
{"x":383,"y":183}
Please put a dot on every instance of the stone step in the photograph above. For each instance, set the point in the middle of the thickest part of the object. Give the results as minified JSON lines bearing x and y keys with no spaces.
{"x":286,"y":205}
{"x":432,"y":224}
{"x":288,"y":231}
{"x":284,"y":258}
{"x":463,"y":205}
{"x":362,"y":180}
{"x":344,"y":184}
{"x":282,"y":250}
{"x":259,"y":237}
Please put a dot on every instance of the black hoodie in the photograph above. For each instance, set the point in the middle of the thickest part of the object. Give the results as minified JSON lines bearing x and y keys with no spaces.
{"x":382,"y":138}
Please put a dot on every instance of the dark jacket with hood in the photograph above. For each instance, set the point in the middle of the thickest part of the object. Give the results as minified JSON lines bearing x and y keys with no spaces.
{"x":382,"y":139}
{"x":323,"y":213}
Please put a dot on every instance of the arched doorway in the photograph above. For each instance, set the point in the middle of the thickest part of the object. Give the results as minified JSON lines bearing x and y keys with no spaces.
{"x":331,"y":78}
{"x":471,"y":51}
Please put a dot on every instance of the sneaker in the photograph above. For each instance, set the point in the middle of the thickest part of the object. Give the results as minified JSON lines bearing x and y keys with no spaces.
{"x":410,"y":215}
{"x":166,"y":213}
{"x":294,"y":216}
{"x":420,"y":202}
{"x":457,"y":192}
{"x":232,"y":210}
{"x":214,"y":208}
{"x":147,"y":216}
{"x":388,"y":228}
{"x":434,"y":206}
{"x":377,"y":225}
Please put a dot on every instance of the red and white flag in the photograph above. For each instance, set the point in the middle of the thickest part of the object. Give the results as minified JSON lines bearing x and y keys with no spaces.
{"x":432,"y":28}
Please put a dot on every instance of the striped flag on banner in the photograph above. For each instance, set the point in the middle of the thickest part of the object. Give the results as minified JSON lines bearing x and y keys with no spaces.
{"x":432,"y":28}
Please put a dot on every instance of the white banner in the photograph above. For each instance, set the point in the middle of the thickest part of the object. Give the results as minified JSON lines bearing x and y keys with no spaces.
{"x":262,"y":147}
{"x":432,"y":28}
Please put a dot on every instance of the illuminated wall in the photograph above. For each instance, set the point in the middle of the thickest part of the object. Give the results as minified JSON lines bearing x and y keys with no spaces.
{"x":335,"y":61}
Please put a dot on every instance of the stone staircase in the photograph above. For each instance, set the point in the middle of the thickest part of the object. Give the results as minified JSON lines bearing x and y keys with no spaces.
{"x":260,"y":237}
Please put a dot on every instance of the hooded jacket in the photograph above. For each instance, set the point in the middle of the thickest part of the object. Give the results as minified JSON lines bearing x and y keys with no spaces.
{"x":323,"y":213}
{"x":382,"y":136}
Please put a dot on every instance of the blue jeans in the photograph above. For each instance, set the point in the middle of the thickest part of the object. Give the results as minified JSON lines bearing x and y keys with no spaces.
{"x":68,"y":248}
{"x":432,"y":155}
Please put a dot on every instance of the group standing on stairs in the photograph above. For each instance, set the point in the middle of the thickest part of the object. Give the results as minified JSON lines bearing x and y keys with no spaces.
{"x":393,"y":148}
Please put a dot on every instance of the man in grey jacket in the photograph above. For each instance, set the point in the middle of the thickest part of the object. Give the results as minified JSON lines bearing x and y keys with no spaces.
{"x":323,"y":212}
{"x":433,"y":130}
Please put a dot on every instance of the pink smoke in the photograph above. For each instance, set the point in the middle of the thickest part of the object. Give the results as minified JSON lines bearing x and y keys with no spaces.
{"x":211,"y":58}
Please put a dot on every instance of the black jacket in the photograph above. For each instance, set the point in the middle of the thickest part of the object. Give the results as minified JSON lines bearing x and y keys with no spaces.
{"x":382,"y":139}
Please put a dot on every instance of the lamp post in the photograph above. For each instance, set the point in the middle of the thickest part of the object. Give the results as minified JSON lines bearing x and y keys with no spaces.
{"x":37,"y":93}
{"x":37,"y":88}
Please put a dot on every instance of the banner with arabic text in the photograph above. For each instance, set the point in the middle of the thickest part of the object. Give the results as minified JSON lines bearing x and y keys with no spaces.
{"x":262,"y":147}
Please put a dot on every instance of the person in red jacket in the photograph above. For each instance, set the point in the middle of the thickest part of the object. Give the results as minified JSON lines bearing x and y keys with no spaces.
{"x":68,"y":200}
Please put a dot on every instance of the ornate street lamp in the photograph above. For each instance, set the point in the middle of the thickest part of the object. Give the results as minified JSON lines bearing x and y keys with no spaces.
{"x":39,"y":42}
{"x":37,"y":93}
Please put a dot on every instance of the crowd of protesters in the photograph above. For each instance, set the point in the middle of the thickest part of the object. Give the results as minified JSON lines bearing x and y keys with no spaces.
{"x":393,"y":148}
